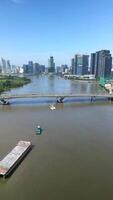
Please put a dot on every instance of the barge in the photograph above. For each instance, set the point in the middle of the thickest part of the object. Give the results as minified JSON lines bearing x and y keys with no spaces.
{"x":13,"y":158}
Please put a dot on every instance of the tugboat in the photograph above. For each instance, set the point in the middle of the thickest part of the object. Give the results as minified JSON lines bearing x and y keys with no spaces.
{"x":38,"y":130}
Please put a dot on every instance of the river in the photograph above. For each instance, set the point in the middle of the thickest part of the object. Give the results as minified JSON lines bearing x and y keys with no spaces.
{"x":72,"y":159}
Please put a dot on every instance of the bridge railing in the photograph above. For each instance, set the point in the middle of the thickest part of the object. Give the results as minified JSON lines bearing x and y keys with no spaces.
{"x":36,"y":95}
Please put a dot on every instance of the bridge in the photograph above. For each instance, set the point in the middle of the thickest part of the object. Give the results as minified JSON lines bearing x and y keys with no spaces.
{"x":63,"y":95}
{"x":4,"y":98}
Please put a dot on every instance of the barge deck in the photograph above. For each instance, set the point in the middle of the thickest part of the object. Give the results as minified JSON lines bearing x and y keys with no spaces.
{"x":14,"y":157}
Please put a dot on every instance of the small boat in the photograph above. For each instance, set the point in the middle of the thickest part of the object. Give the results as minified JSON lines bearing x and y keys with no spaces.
{"x":52,"y":107}
{"x":38,"y":130}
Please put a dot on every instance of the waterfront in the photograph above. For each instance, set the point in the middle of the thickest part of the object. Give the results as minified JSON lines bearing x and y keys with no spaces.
{"x":72,"y":159}
{"x":9,"y":82}
{"x":55,"y":85}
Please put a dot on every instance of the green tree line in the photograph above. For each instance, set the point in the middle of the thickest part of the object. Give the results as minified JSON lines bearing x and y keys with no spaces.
{"x":8,"y":82}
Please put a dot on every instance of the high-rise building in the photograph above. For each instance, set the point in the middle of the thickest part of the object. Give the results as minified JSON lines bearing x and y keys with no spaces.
{"x":8,"y":67}
{"x":92,"y":63}
{"x":13,"y":69}
{"x":58,"y":70}
{"x":76,"y":61}
{"x":97,"y":64}
{"x":4,"y":66}
{"x":101,"y":63}
{"x":26,"y":69}
{"x":64,"y":68}
{"x":72,"y":66}
{"x":30,"y":64}
{"x":42,"y":68}
{"x":105,"y":63}
{"x":51,"y":65}
{"x":36,"y":68}
{"x":0,"y":68}
{"x":81,"y":64}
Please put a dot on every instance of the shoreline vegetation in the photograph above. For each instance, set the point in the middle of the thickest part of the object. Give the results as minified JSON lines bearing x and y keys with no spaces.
{"x":10,"y":82}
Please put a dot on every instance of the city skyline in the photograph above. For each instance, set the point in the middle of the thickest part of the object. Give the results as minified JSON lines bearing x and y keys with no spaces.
{"x":69,"y":63}
{"x":36,"y":30}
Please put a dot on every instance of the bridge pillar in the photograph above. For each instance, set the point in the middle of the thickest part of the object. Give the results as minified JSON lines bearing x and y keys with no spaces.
{"x":93,"y":98}
{"x":110,"y":98}
{"x":4,"y":102}
{"x":60,"y":99}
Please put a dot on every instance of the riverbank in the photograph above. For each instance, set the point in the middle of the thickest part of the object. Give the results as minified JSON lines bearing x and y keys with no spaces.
{"x":10,"y":82}
{"x":88,"y":77}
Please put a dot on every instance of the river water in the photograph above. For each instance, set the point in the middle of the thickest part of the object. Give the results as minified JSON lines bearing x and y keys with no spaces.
{"x":73,"y":158}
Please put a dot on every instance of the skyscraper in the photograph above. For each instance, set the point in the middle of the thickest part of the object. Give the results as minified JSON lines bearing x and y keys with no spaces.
{"x":81,"y":64}
{"x":30,"y":64}
{"x":51,"y":65}
{"x":97,"y":64}
{"x":26,"y":69}
{"x":4,"y":66}
{"x":36,"y":69}
{"x":92,"y":63}
{"x":73,"y":66}
{"x":105,"y":63}
{"x":8,"y":67}
{"x":76,"y":61}
{"x":101,"y":63}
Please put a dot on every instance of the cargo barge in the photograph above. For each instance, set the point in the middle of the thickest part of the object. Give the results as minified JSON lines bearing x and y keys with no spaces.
{"x":13,"y":158}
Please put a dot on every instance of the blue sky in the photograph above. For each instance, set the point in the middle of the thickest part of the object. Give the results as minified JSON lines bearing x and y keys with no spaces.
{"x":37,"y":29}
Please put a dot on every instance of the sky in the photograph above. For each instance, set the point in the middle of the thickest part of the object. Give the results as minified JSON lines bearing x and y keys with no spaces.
{"x":37,"y":29}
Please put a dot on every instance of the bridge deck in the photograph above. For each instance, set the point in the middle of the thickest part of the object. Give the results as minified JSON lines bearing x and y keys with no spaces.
{"x":6,"y":96}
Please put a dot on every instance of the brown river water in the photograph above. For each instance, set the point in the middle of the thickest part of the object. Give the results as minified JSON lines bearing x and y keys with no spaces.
{"x":71,"y":159}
